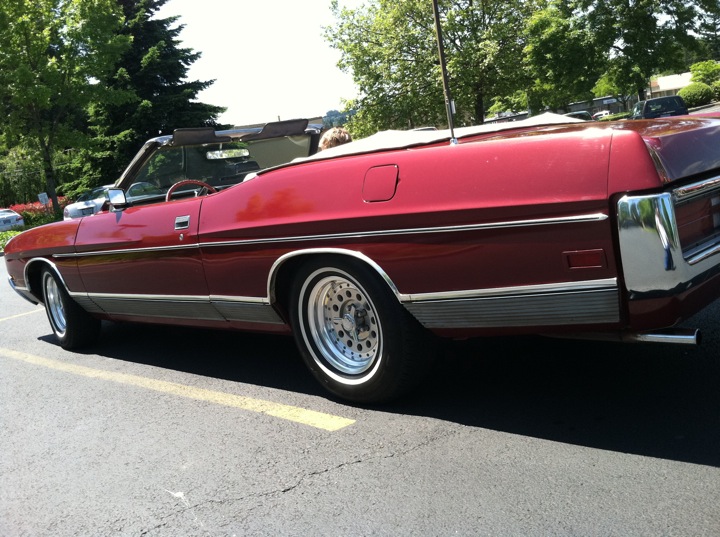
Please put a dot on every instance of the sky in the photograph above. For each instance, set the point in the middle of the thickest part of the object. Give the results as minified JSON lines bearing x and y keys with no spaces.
{"x":268,"y":58}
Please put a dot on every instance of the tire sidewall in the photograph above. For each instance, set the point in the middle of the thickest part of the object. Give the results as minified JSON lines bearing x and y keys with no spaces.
{"x":48,"y":276}
{"x":379,"y":382}
{"x":81,"y":329}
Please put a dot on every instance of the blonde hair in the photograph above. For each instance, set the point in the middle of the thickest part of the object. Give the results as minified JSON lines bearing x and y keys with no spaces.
{"x":334,"y":137}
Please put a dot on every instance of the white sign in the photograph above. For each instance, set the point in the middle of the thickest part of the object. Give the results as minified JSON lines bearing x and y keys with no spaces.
{"x":43,"y":197}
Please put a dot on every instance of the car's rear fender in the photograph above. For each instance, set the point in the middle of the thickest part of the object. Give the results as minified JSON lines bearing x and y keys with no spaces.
{"x":282,"y":271}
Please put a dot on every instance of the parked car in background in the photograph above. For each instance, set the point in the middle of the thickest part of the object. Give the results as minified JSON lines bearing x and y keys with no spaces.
{"x":601,"y":114}
{"x":659,"y":107}
{"x":9,"y":219}
{"x":88,"y":203}
{"x":584,"y":115}
{"x":369,"y":251}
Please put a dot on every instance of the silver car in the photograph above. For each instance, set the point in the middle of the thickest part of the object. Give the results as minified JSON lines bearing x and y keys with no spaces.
{"x":9,"y":219}
{"x":88,"y":203}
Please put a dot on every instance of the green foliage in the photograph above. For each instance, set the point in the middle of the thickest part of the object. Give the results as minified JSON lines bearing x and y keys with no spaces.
{"x":708,"y":29}
{"x":562,"y":58}
{"x":510,"y":55}
{"x":716,"y":89}
{"x":640,"y":38}
{"x":21,"y":175}
{"x":83,"y":83}
{"x":696,"y":94}
{"x":334,"y":118}
{"x":391,"y":49}
{"x":615,"y":117}
{"x":54,"y":52}
{"x":5,"y":236}
{"x":152,"y":72}
{"x":705,"y":72}
{"x":35,"y":214}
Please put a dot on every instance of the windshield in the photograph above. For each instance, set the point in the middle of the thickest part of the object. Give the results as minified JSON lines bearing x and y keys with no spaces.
{"x":219,"y":165}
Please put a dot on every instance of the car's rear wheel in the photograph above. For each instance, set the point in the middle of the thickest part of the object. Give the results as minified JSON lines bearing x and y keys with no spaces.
{"x":354,"y":335}
{"x":72,"y":325}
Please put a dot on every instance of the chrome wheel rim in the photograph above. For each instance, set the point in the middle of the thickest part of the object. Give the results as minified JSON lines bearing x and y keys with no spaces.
{"x":54,"y":305}
{"x":344,"y":325}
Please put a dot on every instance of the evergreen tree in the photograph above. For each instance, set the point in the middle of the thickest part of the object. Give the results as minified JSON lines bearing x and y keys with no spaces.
{"x":153,"y":72}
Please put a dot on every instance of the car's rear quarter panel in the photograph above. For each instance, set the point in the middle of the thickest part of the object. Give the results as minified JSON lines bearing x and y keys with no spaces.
{"x":502,"y":190}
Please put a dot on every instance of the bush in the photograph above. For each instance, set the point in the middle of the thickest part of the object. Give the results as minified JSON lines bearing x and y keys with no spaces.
{"x":5,"y":236}
{"x":36,"y":214}
{"x":696,"y":94}
{"x":716,"y":89}
{"x":615,"y":117}
{"x":706,"y":72}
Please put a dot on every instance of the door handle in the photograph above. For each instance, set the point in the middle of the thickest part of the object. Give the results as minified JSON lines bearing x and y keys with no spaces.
{"x":182,"y":222}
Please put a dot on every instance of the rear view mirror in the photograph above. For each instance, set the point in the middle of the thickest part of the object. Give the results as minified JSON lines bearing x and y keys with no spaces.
{"x":222,"y":154}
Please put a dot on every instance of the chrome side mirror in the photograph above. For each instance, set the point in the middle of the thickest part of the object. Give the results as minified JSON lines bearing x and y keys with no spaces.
{"x":117,"y":199}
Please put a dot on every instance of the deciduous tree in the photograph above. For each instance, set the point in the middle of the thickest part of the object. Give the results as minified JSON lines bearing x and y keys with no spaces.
{"x":640,"y":37}
{"x":391,"y":50}
{"x":53,"y":53}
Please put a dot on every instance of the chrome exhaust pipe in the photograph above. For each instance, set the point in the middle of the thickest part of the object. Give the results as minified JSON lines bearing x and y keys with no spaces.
{"x":682,"y":336}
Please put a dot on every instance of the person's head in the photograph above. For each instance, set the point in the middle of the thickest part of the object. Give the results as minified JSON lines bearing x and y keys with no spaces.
{"x":333,"y":137}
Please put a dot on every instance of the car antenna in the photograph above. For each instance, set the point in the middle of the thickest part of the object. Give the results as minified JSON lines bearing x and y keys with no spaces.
{"x":449,"y":103}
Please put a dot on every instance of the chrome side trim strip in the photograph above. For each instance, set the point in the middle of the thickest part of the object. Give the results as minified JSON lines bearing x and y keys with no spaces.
{"x":249,"y":312}
{"x":332,"y":251}
{"x":214,"y":308}
{"x":522,"y":290}
{"x":590,"y":302}
{"x":594,"y":217}
{"x":193,"y":246}
{"x":239,"y":299}
{"x":703,"y":255}
{"x":686,"y":193}
{"x":144,"y":297}
{"x":23,"y":292}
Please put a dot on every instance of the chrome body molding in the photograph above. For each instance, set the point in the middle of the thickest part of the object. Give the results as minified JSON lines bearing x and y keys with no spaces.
{"x":203,"y":308}
{"x":246,"y":309}
{"x":326,"y":251}
{"x":23,"y":292}
{"x":568,"y":303}
{"x":694,"y":190}
{"x":592,"y":217}
{"x":123,"y":251}
{"x":653,"y":261}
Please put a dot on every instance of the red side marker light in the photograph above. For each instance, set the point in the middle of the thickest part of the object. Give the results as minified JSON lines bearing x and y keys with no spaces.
{"x":585,"y":259}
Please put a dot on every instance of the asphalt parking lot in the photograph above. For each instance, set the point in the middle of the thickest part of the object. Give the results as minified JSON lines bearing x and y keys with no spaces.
{"x":166,"y":431}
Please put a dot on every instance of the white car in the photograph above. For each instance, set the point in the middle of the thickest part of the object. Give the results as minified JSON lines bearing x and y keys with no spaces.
{"x":9,"y":219}
{"x":601,"y":114}
{"x":88,"y":203}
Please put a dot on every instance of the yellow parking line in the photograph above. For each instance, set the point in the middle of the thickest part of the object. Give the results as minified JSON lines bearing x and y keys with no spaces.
{"x":21,"y":314}
{"x":312,"y":418}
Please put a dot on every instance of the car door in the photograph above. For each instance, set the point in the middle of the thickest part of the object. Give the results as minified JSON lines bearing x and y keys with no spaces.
{"x":145,"y":261}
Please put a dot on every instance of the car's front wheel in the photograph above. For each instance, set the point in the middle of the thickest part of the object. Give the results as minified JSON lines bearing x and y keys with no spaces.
{"x":72,"y":325}
{"x":354,"y":335}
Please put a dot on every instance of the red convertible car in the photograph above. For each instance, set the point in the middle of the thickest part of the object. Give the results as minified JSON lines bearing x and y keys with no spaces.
{"x":367,"y":251}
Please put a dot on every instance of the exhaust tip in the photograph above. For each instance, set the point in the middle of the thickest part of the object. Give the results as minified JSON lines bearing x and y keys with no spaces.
{"x":680,"y":336}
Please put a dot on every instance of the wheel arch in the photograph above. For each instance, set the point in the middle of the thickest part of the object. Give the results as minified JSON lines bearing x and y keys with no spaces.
{"x":33,"y":276}
{"x":280,"y":278}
